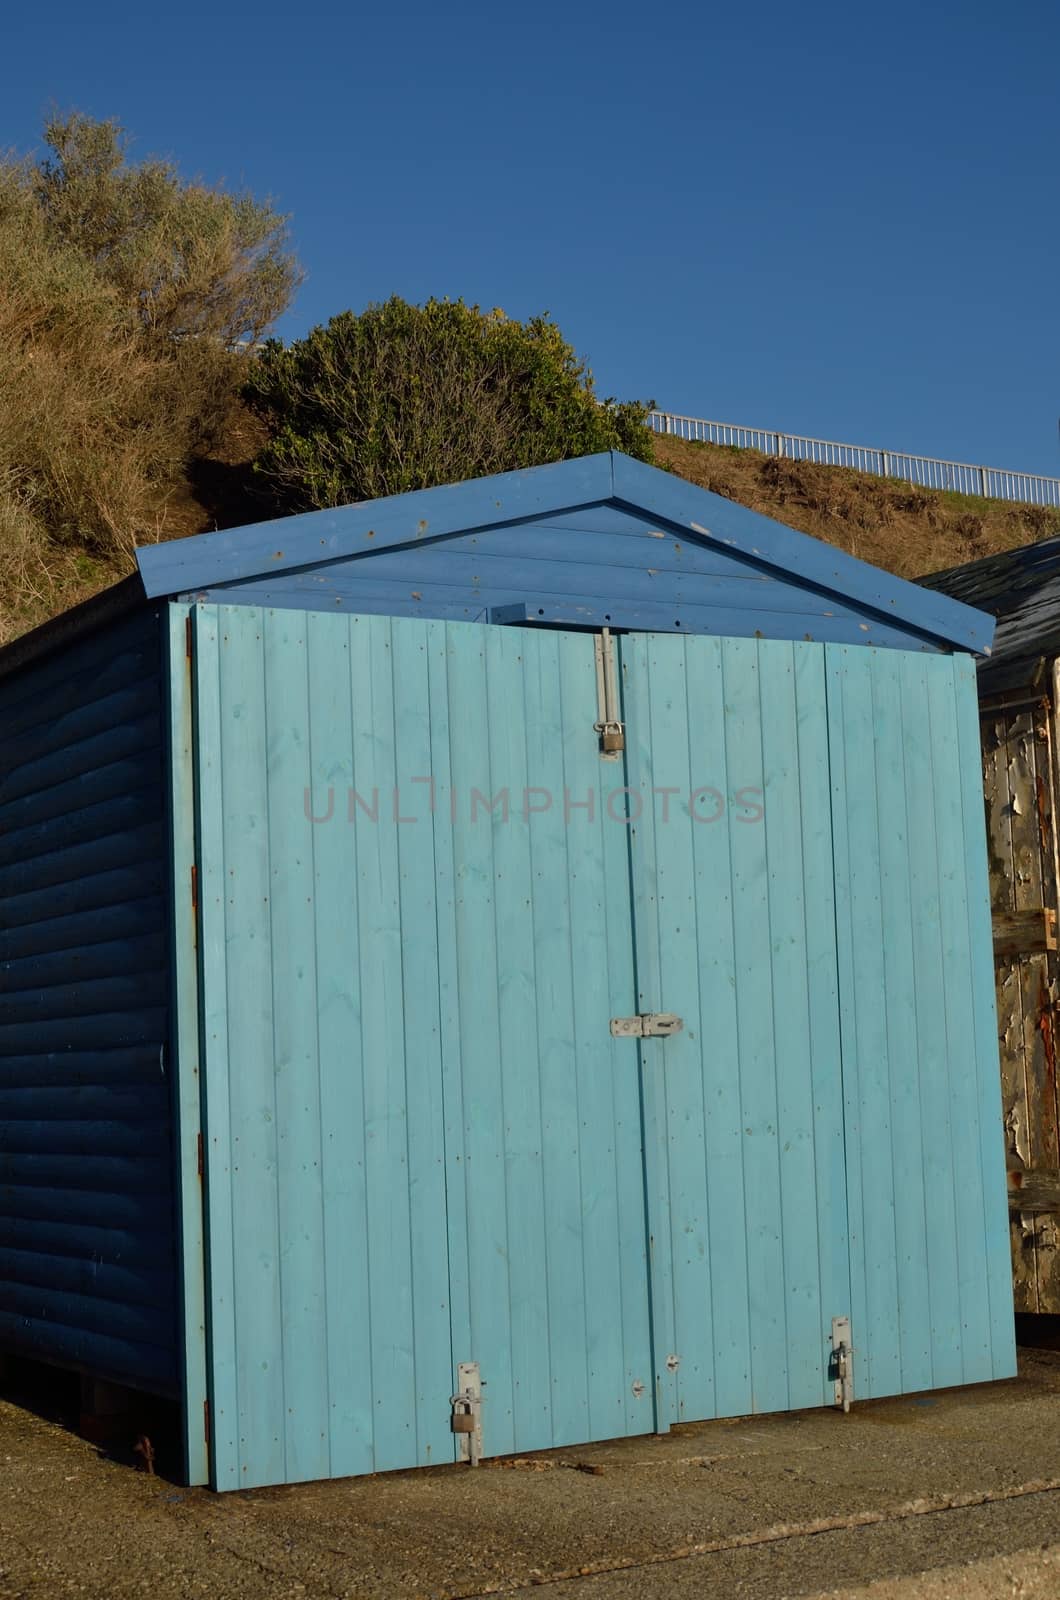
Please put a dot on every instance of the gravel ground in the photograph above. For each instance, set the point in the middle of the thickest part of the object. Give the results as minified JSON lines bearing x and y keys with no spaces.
{"x":964,"y":1485}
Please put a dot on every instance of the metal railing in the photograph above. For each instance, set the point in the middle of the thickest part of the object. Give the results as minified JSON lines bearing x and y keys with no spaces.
{"x":960,"y":477}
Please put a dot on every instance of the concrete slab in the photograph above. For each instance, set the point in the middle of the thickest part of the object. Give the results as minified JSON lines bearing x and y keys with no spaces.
{"x":803,"y":1504}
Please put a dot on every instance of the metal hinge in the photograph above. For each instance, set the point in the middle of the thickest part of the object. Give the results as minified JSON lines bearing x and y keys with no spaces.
{"x":201,"y":1157}
{"x":466,"y":1406}
{"x":187,"y":636}
{"x":648,"y":1025}
{"x":195,"y":888}
{"x":841,"y":1367}
{"x":206,"y":1420}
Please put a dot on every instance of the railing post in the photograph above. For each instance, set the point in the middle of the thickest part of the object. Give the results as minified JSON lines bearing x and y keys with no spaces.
{"x":780,"y":444}
{"x":885,"y":464}
{"x":984,"y":483}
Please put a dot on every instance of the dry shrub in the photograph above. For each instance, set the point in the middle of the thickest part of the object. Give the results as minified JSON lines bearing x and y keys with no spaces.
{"x":125,"y":296}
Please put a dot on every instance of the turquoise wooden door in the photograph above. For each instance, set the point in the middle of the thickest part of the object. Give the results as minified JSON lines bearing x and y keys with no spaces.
{"x":731,"y":859}
{"x":423,"y":1146}
{"x":823,"y":1137}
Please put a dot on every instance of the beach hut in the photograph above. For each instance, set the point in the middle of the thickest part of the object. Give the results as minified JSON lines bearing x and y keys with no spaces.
{"x":498,"y":967}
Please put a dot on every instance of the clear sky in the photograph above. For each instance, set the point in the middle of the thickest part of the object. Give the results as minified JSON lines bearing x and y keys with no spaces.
{"x":834,"y":218}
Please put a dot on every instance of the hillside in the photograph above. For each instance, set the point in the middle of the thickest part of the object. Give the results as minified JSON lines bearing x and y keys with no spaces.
{"x":909,"y":531}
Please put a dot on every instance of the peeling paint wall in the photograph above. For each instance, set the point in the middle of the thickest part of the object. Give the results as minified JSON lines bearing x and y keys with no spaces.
{"x":1019,"y":751}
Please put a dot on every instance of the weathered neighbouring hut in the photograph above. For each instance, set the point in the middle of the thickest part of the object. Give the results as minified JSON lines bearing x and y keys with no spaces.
{"x":1018,"y":698}
{"x":498,"y":967}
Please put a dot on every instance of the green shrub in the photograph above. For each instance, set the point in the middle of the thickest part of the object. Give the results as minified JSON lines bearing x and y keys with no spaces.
{"x":403,"y":397}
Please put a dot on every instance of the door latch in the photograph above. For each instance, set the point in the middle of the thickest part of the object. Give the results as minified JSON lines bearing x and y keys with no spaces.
{"x":648,"y":1025}
{"x":842,"y":1363}
{"x":466,"y":1406}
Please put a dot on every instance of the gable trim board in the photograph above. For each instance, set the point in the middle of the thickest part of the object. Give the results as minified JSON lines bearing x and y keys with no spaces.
{"x":310,"y":549}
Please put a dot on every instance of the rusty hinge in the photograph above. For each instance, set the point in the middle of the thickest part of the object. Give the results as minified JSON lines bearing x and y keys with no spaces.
{"x":187,"y":636}
{"x":206,"y":1420}
{"x":201,"y":1158}
{"x":195,"y":888}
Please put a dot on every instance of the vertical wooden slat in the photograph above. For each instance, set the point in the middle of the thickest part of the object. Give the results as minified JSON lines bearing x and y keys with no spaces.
{"x":247,"y":972}
{"x":723,"y":1144}
{"x":519,"y":1129}
{"x":843,"y":773}
{"x":955,"y":881}
{"x":667,"y":927}
{"x":636,"y":807}
{"x":757,"y":1037}
{"x":347,"y":1315}
{"x":295,"y":1055}
{"x":217,"y":1118}
{"x":819,"y":870}
{"x":479,"y":1026}
{"x":878,"y":1340}
{"x":786,"y":746}
{"x":185,"y":1027}
{"x":912,"y":1214}
{"x":987,"y":1227}
{"x":420,"y":1025}
{"x":624,"y":1283}
{"x":936,"y":984}
{"x":380,"y":978}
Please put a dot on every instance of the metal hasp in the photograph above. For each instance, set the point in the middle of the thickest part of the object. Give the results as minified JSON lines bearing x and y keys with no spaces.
{"x":649,"y":1025}
{"x":467,"y":1412}
{"x":612,"y":732}
{"x":842,"y":1363}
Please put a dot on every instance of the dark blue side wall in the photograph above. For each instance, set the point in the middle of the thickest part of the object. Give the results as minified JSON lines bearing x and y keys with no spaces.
{"x":87,"y":1259}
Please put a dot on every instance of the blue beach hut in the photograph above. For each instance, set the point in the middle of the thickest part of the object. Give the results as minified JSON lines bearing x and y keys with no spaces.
{"x":494,"y":968}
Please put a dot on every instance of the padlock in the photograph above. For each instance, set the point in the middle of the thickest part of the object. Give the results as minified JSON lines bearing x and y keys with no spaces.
{"x":463,"y":1418}
{"x":612,"y":739}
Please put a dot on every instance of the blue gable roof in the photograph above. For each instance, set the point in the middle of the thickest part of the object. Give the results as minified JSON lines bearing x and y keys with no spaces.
{"x":599,"y":540}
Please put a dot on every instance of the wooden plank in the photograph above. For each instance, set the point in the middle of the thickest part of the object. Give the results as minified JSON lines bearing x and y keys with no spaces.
{"x":418,"y":893}
{"x":516,"y":894}
{"x":933,"y":1006}
{"x":338,"y":958}
{"x":1025,"y":932}
{"x":758,"y":1033}
{"x":479,"y":1033}
{"x":962,"y":915}
{"x":416,"y":519}
{"x":386,"y":1087}
{"x":879,"y":1341}
{"x":668,"y":958}
{"x":636,"y":677}
{"x":1034,"y":1193}
{"x":819,"y":874}
{"x":718,"y":1037}
{"x":240,"y":944}
{"x":906,"y":1190}
{"x":289,"y":726}
{"x":789,"y":745}
{"x":772,"y":544}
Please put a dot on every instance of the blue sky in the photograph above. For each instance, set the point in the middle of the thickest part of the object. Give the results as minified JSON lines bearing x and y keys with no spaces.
{"x":830,"y":219}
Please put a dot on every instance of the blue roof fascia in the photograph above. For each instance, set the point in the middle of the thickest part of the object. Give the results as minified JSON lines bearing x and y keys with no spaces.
{"x":263,"y":548}
{"x":772,"y":544}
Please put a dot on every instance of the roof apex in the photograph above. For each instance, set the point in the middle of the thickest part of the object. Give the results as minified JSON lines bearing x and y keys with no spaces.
{"x":534,"y":494}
